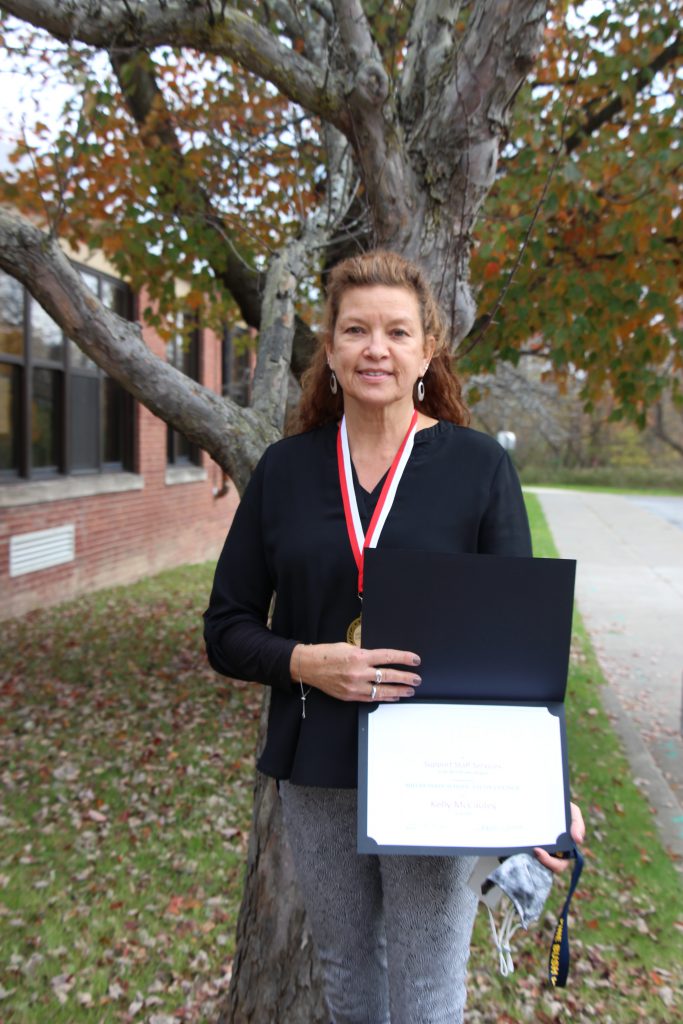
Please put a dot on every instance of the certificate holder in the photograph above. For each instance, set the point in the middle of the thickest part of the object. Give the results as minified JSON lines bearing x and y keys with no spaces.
{"x":477,"y":763}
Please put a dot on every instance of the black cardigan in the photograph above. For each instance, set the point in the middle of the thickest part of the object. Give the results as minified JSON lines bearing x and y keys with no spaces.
{"x":459,"y":493}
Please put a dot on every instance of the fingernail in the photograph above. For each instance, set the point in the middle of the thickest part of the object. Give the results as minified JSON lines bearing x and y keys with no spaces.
{"x":410,"y":693}
{"x":416,"y":680}
{"x":416,"y":660}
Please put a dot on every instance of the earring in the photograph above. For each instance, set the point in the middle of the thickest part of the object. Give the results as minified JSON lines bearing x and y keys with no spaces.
{"x":420,"y":390}
{"x":333,"y":382}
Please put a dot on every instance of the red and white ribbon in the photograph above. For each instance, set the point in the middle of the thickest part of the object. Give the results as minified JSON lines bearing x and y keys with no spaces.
{"x":359,"y":540}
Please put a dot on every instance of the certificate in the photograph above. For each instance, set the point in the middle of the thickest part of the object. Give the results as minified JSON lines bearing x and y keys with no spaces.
{"x":477,"y":762}
{"x":452,"y":777}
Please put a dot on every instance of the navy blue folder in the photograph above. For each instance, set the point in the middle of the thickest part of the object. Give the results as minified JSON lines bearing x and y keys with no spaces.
{"x":489,"y":630}
{"x":485,"y":627}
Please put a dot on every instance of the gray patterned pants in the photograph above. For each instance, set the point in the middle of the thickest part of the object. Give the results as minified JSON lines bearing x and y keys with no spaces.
{"x":392,"y":932}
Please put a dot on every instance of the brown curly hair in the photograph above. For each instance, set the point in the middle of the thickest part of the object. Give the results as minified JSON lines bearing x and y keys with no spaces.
{"x":443,"y":390}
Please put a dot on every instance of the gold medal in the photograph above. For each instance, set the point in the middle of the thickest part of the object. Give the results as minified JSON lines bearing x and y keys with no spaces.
{"x":353,"y":633}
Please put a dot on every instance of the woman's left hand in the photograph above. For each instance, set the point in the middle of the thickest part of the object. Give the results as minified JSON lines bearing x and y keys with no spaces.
{"x":577,"y":831}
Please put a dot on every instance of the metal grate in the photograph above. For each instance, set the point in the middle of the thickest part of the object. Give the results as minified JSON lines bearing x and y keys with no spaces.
{"x":30,"y":552}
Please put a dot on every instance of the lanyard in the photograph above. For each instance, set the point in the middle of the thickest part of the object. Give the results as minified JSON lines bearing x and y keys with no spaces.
{"x":360,"y":541}
{"x":558,"y":961}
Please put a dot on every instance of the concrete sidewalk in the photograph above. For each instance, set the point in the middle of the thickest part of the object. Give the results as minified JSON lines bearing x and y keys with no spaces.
{"x":629,"y":590}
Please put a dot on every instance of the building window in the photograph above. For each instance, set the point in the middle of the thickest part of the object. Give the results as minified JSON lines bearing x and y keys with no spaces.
{"x":59,"y":413}
{"x":238,"y":364}
{"x":182,"y":351}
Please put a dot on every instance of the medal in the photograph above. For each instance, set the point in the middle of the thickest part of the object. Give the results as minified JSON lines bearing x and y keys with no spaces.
{"x":353,"y":633}
{"x":360,"y":541}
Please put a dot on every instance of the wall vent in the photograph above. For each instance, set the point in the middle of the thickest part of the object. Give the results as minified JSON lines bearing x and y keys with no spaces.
{"x":30,"y":552}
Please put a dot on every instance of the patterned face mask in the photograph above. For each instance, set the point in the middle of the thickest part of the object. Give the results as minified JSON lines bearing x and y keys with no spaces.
{"x":525,"y":882}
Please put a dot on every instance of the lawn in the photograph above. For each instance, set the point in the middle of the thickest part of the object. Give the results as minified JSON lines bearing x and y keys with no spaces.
{"x":126,"y":767}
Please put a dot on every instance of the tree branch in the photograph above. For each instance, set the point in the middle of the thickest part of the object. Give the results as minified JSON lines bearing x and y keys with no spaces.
{"x":116,"y":26}
{"x":234,"y":437}
{"x":455,"y":139}
{"x":271,"y":380}
{"x":639,"y":82}
{"x":374,"y":131}
{"x":287,"y":15}
{"x":324,"y":9}
{"x":428,"y":45}
{"x":355,"y":31}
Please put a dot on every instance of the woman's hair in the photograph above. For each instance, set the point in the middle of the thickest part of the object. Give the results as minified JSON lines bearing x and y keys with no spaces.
{"x":443,"y":390}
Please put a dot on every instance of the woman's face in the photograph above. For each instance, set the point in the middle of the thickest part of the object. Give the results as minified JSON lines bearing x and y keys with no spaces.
{"x":378,"y":348}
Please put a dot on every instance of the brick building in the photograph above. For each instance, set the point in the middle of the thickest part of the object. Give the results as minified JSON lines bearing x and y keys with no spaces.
{"x":94,"y":489}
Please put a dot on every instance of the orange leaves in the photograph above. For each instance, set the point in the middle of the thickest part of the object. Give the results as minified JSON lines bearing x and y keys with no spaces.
{"x":194,"y":300}
{"x":179,"y":904}
{"x":113,"y":243}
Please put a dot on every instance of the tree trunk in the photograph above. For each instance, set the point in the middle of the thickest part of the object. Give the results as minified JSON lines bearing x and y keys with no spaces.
{"x":275,"y":976}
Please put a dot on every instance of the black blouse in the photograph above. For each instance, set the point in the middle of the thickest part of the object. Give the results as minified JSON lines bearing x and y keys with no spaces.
{"x":459,"y":493}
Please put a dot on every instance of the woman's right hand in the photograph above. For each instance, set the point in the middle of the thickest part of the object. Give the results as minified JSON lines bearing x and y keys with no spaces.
{"x":346,"y":672}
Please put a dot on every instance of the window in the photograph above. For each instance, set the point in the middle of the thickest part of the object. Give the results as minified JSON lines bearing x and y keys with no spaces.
{"x":237,"y":365}
{"x":182,"y":351}
{"x":59,"y":413}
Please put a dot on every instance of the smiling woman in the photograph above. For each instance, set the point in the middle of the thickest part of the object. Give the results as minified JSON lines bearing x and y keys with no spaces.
{"x":385,"y":287}
{"x":378,"y":351}
{"x":377,"y":456}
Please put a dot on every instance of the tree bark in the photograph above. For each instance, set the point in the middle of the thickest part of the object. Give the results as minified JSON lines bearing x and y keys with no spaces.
{"x":456,"y":115}
{"x":286,"y":988}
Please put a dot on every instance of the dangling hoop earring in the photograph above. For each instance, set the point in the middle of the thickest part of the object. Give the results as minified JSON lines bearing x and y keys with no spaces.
{"x":333,"y":382}
{"x":420,"y":390}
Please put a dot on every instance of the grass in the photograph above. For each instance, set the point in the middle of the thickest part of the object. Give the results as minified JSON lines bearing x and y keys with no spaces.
{"x":642,"y":492}
{"x":627,"y":922}
{"x":648,"y":478}
{"x":126,"y":771}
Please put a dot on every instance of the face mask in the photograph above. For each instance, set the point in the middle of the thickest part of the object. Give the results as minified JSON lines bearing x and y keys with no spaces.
{"x":525,"y":882}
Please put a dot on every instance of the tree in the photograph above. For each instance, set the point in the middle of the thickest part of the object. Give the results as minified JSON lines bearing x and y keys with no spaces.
{"x":598,"y":290}
{"x":380,"y":123}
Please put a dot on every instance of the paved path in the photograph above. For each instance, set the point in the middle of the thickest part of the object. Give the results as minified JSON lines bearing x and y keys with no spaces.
{"x":629,"y":590}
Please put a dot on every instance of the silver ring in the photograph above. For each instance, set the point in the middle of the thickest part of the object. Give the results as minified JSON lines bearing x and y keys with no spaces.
{"x":373,"y":691}
{"x":378,"y":675}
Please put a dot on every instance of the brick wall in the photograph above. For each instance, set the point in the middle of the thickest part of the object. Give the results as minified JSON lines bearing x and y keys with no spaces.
{"x":122,"y":537}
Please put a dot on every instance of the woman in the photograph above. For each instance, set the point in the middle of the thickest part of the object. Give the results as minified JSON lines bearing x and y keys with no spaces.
{"x":379,"y":402}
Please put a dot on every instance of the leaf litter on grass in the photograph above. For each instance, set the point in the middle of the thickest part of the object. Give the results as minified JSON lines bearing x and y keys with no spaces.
{"x":126,"y":769}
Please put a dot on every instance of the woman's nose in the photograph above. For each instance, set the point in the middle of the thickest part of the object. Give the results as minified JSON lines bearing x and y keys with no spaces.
{"x":376,"y":343}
